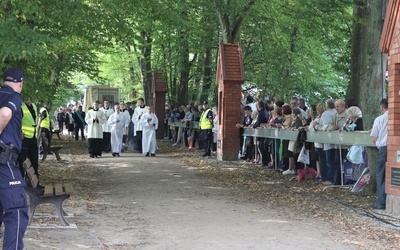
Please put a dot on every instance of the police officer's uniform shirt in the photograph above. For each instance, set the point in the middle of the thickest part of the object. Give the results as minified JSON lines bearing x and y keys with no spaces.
{"x":12,"y":132}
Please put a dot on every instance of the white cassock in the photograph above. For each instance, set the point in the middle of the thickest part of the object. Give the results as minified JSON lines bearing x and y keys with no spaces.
{"x":149,"y":143}
{"x":117,"y":124}
{"x":107,"y":112}
{"x":139,"y":112}
{"x":95,"y":128}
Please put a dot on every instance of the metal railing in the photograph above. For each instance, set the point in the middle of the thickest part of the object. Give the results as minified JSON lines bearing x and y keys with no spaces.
{"x":359,"y":138}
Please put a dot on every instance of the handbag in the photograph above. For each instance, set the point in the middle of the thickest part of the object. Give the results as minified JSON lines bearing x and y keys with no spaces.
{"x":304,"y":156}
{"x":355,"y":155}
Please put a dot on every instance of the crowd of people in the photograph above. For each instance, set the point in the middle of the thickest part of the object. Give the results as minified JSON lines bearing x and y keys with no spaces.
{"x":326,"y":161}
{"x":112,"y":128}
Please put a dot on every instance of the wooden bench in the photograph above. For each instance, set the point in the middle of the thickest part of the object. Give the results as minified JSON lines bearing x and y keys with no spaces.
{"x":57,"y":132}
{"x":55,"y":150}
{"x":54,"y":194}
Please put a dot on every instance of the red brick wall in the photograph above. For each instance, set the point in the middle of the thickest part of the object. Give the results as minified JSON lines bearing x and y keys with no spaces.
{"x":230,"y":77}
{"x":394,"y":111}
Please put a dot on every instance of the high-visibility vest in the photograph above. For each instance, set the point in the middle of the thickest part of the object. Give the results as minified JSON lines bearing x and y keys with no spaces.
{"x":46,"y":121}
{"x":205,"y":123}
{"x":28,"y":123}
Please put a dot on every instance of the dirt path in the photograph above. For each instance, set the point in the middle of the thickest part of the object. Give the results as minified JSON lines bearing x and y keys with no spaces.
{"x":137,"y":202}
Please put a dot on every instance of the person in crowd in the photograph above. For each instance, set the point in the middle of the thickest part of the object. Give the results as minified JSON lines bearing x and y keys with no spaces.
{"x":250,"y":102}
{"x":275,"y":147}
{"x":125,"y":112}
{"x":79,"y":119}
{"x":179,"y":130}
{"x":262,"y":118}
{"x":379,"y":135}
{"x":247,"y":144}
{"x":44,"y":126}
{"x":149,"y":123}
{"x":206,"y":124}
{"x":294,"y":103}
{"x":131,"y":136}
{"x":287,"y":122}
{"x":199,"y":134}
{"x":322,"y":170}
{"x":338,"y":122}
{"x":193,"y":134}
{"x":329,"y":149}
{"x":29,"y":148}
{"x":117,"y":123}
{"x":107,"y":111}
{"x":61,"y":119}
{"x":188,"y":120}
{"x":215,"y":128}
{"x":302,"y":104}
{"x":311,"y":113}
{"x":355,"y":123}
{"x":69,"y":123}
{"x":95,"y":119}
{"x":293,"y":145}
{"x":137,"y":114}
{"x":13,"y":204}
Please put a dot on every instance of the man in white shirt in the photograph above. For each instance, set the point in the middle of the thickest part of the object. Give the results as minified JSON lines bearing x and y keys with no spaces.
{"x":117,"y":124}
{"x":95,"y":118}
{"x":139,"y":111}
{"x":108,"y":111}
{"x":379,"y":135}
{"x":149,"y":123}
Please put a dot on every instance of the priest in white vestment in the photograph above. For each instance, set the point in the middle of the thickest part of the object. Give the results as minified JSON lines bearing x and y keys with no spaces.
{"x":95,"y":118}
{"x":149,"y":123}
{"x":140,"y":110}
{"x":117,"y":123}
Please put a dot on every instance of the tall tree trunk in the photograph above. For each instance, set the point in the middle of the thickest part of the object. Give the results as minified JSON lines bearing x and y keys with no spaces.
{"x":145,"y":65}
{"x":182,"y":97}
{"x":368,"y":65}
{"x":207,"y":75}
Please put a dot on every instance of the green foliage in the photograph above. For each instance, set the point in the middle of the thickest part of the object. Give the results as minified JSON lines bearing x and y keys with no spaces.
{"x":290,"y":47}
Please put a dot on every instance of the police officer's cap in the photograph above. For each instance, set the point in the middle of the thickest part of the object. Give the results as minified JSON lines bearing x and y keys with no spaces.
{"x":13,"y":75}
{"x":205,"y":103}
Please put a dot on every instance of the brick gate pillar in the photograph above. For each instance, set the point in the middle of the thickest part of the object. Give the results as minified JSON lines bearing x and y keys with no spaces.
{"x":230,"y":77}
{"x":390,"y":44}
{"x":159,"y":91}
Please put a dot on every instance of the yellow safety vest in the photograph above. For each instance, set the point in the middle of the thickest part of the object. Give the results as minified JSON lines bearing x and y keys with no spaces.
{"x":46,"y":121}
{"x":28,"y":123}
{"x":205,"y":123}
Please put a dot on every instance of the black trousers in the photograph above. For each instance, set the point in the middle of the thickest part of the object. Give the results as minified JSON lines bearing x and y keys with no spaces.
{"x":95,"y":146}
{"x":139,"y":136}
{"x":106,"y":141}
{"x":207,"y":139}
{"x":29,"y":150}
{"x":77,"y":129}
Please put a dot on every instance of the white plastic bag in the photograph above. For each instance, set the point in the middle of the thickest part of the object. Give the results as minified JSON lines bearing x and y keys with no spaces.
{"x":355,"y":155}
{"x":304,"y":156}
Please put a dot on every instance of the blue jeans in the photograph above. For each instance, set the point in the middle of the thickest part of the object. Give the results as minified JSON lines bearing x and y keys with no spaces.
{"x":323,"y":168}
{"x":380,"y":176}
{"x":330,"y":164}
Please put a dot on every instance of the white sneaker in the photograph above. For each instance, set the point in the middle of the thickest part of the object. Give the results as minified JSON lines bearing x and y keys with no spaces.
{"x":289,"y":172}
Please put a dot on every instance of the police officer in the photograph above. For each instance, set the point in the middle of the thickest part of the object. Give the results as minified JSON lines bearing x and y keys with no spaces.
{"x":206,"y":124}
{"x":45,"y":126}
{"x":12,"y":194}
{"x":29,"y":137}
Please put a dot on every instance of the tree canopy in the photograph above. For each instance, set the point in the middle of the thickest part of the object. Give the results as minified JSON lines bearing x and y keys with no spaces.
{"x":290,"y":47}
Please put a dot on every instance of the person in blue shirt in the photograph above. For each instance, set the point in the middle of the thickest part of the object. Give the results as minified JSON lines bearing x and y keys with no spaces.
{"x":12,"y":199}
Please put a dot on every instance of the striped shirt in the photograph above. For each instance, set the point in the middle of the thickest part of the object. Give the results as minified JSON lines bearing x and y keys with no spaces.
{"x":380,"y":131}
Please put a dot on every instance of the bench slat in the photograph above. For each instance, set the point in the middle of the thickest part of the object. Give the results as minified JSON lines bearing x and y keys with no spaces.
{"x":68,"y":188}
{"x":48,"y":191}
{"x":58,"y":189}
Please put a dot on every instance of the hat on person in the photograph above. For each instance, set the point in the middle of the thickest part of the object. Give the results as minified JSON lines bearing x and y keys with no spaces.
{"x":205,"y":102}
{"x":13,"y":75}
